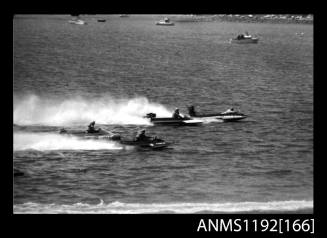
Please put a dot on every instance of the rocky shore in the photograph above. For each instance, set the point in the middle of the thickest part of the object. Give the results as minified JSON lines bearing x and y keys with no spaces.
{"x":252,"y":18}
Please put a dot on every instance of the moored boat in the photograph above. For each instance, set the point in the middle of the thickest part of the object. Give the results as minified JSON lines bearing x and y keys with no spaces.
{"x":244,"y":39}
{"x":77,"y":22}
{"x":165,"y":22}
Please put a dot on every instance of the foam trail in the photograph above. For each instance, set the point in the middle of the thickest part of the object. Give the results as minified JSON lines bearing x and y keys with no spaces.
{"x":48,"y":141}
{"x":135,"y":208}
{"x":33,"y":110}
{"x":210,"y":120}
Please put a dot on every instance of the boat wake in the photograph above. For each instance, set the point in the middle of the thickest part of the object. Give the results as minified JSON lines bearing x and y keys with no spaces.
{"x":210,"y":120}
{"x":136,"y":208}
{"x":34,"y":110}
{"x":48,"y":141}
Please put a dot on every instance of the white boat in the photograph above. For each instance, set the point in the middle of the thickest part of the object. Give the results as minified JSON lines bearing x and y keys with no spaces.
{"x":227,"y":116}
{"x":77,"y":22}
{"x":165,"y":22}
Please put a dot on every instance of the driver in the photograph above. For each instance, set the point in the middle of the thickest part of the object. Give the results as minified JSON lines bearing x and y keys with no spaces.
{"x":176,"y":114}
{"x":91,"y":127}
{"x":141,"y":135}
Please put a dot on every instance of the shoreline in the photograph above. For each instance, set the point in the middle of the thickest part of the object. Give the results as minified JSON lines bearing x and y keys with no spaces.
{"x":243,"y":19}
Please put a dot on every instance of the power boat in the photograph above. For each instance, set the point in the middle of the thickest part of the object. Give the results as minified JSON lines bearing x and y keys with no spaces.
{"x":228,"y":116}
{"x":244,"y":39}
{"x":96,"y":134}
{"x":183,"y":121}
{"x":165,"y":22}
{"x":101,"y":20}
{"x":149,"y":143}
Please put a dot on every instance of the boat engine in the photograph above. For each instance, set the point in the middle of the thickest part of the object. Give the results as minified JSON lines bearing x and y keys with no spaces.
{"x":151,"y":115}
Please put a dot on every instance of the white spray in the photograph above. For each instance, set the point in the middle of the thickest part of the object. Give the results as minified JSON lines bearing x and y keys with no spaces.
{"x":48,"y":141}
{"x":33,"y":110}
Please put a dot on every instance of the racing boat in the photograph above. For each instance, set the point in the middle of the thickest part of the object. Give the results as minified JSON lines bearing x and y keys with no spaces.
{"x":96,"y":134}
{"x":228,"y":116}
{"x":183,"y":121}
{"x":150,"y":143}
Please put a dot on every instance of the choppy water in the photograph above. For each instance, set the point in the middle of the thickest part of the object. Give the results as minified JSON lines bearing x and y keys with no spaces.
{"x":115,"y":72}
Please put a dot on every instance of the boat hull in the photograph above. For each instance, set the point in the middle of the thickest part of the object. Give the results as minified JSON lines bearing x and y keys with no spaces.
{"x":100,"y":134}
{"x":170,"y":121}
{"x":153,"y":144}
{"x":228,"y":117}
{"x":245,"y":41}
{"x":175,"y":122}
{"x":77,"y":22}
{"x":165,"y":24}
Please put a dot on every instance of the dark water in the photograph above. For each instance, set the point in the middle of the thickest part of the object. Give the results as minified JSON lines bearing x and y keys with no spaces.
{"x":115,"y":72}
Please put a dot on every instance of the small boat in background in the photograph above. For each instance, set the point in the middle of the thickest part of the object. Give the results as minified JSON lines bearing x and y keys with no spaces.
{"x":299,"y":33}
{"x":165,"y":22}
{"x":123,"y":15}
{"x":245,"y":39}
{"x":77,"y":20}
{"x":17,"y":172}
{"x":102,"y":20}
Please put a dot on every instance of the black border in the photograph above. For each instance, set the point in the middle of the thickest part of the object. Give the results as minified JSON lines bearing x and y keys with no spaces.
{"x":154,"y":225}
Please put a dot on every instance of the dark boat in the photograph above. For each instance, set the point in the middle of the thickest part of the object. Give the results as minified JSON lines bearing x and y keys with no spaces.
{"x":245,"y":39}
{"x":184,"y":121}
{"x":96,"y":134}
{"x":101,"y":20}
{"x":150,"y":143}
{"x":165,"y":22}
{"x":17,"y":172}
{"x":228,"y":116}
